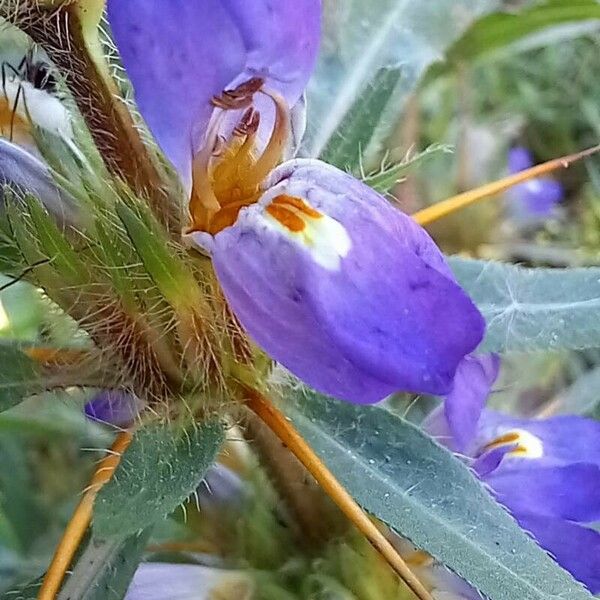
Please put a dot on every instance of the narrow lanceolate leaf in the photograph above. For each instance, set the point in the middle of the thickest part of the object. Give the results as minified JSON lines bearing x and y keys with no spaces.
{"x":501,"y":30}
{"x":19,"y":376}
{"x":160,"y":469}
{"x":533,"y":309}
{"x":403,"y":477}
{"x":105,"y":568}
{"x":353,"y":135}
{"x":391,"y":173}
{"x":24,"y":591}
{"x":360,"y":38}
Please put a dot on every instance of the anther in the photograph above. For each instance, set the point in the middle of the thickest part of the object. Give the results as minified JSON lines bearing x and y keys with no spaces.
{"x":219,"y":146}
{"x":248,"y":124}
{"x":240,"y":96}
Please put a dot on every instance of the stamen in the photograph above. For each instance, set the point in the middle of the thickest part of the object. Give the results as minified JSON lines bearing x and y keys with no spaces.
{"x":228,"y":174}
{"x":248,"y":124}
{"x":203,"y":202}
{"x":224,"y":186}
{"x":275,"y":147}
{"x":523,"y":444}
{"x":240,"y":96}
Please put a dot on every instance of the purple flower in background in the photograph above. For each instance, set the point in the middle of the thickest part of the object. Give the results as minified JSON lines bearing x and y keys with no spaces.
{"x":164,"y":581}
{"x":114,"y":407}
{"x":536,"y":198}
{"x":547,"y":473}
{"x":347,"y":292}
{"x":23,"y":108}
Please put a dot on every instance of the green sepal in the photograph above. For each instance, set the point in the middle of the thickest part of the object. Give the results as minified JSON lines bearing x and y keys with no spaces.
{"x":53,"y":242}
{"x":31,"y":253}
{"x":170,"y":274}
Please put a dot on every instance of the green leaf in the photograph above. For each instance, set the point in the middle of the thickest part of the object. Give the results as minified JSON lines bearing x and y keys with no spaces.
{"x":345,"y":146}
{"x":392,"y":173}
{"x":19,"y":376}
{"x":19,"y":503}
{"x":361,"y":38}
{"x":160,"y":469}
{"x":403,"y":477}
{"x":499,"y":30}
{"x":533,"y":309}
{"x":105,"y":568}
{"x":24,"y":591}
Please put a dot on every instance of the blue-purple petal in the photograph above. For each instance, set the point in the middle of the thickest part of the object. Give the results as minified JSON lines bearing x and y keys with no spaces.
{"x":574,"y":547}
{"x":281,"y":39}
{"x":536,"y":198}
{"x":519,"y":159}
{"x":165,"y":581}
{"x":489,"y":461}
{"x":25,"y":174}
{"x":390,"y":317}
{"x":179,"y":54}
{"x":464,"y":404}
{"x":569,"y":492}
{"x":221,"y":488}
{"x":113,"y":407}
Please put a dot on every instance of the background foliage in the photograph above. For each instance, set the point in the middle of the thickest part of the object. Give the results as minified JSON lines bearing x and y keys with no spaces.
{"x":422,"y":99}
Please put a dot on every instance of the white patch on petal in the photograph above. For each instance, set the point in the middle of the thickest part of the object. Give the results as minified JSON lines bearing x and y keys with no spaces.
{"x":526,"y":445}
{"x":324,"y":238}
{"x":45,"y":110}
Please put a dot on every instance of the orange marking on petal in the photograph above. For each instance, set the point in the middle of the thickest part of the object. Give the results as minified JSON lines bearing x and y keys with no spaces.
{"x":298,"y":203}
{"x":503,"y":440}
{"x":289,"y":219}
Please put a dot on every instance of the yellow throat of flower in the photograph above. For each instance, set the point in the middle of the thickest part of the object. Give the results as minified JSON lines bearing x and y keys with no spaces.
{"x":227,"y":174}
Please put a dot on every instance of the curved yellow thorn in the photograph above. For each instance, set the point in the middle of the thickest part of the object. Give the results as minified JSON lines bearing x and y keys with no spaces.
{"x":67,"y":547}
{"x":455,"y":203}
{"x":283,"y":429}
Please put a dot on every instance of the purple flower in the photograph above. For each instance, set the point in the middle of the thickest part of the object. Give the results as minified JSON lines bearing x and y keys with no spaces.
{"x":344,"y":290}
{"x":114,"y":407}
{"x":24,"y":174}
{"x":536,"y":198}
{"x":21,"y":106}
{"x":547,"y":473}
{"x":164,"y":581}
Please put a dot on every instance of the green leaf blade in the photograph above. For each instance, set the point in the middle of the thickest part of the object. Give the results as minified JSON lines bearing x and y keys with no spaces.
{"x":344,"y":148}
{"x":500,"y":30}
{"x":420,"y":489}
{"x":161,"y":468}
{"x":105,"y":568}
{"x":533,"y":309}
{"x":19,"y":376}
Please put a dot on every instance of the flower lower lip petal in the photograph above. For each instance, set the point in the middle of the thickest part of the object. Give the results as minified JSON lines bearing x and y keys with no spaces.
{"x":344,"y":290}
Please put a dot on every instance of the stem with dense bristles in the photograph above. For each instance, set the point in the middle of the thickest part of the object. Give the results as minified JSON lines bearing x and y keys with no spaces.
{"x":284,"y":430}
{"x":451,"y":205}
{"x":67,"y":547}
